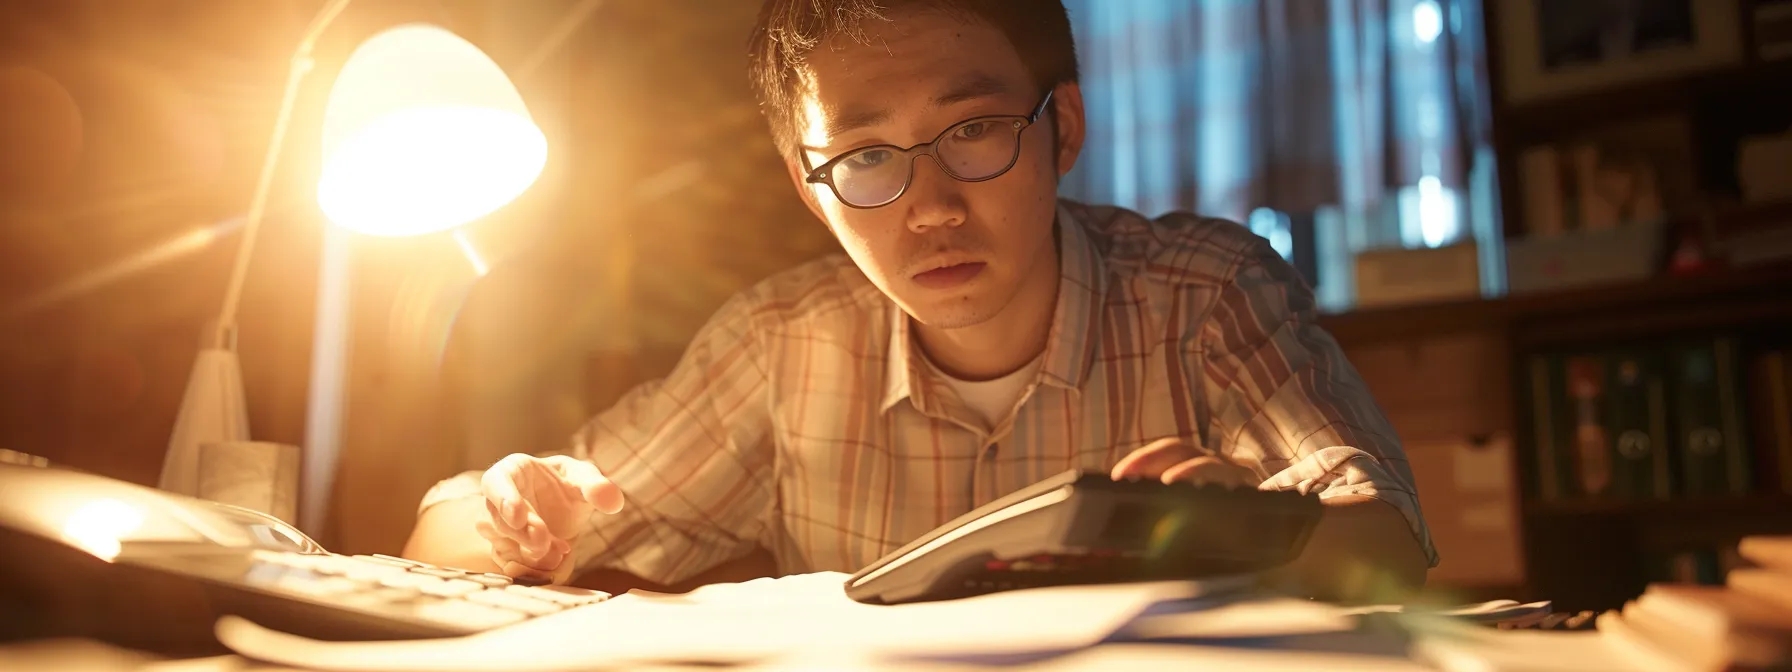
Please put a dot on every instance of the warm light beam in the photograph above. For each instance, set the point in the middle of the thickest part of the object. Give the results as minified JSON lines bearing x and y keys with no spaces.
{"x":472,"y":254}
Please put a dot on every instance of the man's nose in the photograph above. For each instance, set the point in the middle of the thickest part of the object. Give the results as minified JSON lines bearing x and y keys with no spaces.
{"x":933,"y":199}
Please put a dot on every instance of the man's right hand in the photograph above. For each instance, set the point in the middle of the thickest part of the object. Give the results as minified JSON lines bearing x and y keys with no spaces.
{"x":538,"y":506}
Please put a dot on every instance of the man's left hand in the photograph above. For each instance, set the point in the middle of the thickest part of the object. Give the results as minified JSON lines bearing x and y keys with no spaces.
{"x":1171,"y":460}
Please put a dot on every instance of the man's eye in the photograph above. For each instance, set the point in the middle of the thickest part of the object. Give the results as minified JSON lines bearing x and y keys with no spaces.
{"x":974,"y":130}
{"x":868,"y":158}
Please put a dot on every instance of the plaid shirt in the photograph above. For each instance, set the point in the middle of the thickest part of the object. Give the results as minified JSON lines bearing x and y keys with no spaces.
{"x":802,"y":419}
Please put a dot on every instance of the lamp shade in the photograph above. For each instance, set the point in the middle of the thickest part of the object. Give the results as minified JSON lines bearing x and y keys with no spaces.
{"x":423,"y":133}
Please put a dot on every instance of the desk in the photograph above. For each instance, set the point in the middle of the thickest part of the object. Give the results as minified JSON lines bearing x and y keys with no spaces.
{"x":802,"y":622}
{"x":90,"y":656}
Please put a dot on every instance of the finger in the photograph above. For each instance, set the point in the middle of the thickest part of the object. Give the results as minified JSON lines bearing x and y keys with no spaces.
{"x":505,"y":549}
{"x":1151,"y":460}
{"x":518,"y":570}
{"x":1207,"y":469}
{"x":499,"y":485}
{"x":589,"y":483}
{"x":510,"y":558}
{"x":532,"y":543}
{"x":499,"y":521}
{"x":536,"y":538}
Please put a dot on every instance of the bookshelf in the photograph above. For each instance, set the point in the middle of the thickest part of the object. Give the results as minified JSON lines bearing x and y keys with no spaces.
{"x":1711,"y":299}
{"x":1745,"y":505}
{"x":1590,"y":553}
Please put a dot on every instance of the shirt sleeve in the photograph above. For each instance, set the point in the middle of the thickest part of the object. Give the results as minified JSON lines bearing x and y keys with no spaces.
{"x":1282,"y":395}
{"x":689,"y":453}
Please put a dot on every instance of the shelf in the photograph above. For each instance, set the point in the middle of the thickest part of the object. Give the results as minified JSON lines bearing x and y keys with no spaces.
{"x":1679,"y":508}
{"x":1552,"y":118}
{"x":1719,"y":298}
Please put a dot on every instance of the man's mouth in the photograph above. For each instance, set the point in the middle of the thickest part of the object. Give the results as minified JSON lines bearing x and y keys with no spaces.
{"x":947,"y":277}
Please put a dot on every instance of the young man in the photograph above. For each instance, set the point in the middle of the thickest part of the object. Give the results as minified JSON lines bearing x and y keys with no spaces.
{"x":979,"y":335}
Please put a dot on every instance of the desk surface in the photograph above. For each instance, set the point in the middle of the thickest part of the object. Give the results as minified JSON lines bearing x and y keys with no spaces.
{"x":89,"y":655}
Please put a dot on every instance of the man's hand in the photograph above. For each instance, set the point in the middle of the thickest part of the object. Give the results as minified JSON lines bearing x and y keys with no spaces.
{"x":537,"y":508}
{"x":1171,"y":460}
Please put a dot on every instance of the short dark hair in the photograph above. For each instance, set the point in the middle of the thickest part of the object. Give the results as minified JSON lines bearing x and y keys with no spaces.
{"x":787,"y":30}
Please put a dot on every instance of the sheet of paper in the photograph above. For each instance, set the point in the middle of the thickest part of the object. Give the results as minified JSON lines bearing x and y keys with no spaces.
{"x":755,"y":621}
{"x":1274,"y":617}
{"x":1452,"y":645}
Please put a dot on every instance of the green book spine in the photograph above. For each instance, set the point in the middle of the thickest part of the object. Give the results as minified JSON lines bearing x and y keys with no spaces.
{"x":1708,"y":437}
{"x":1545,"y":380}
{"x":1637,"y":416}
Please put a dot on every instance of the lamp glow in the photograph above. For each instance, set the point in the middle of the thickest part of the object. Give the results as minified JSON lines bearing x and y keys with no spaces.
{"x":100,"y":526}
{"x":424,"y":133}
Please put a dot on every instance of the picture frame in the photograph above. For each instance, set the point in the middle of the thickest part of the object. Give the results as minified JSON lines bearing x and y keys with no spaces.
{"x":1556,"y":48}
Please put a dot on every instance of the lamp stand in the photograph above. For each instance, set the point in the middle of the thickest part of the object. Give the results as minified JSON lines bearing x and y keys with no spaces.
{"x":213,"y":408}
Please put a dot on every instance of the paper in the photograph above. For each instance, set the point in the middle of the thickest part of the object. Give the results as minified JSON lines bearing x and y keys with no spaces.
{"x":1451,"y":645}
{"x":1484,"y":612}
{"x":1260,"y":618}
{"x":753,"y":622}
{"x":1276,"y":617}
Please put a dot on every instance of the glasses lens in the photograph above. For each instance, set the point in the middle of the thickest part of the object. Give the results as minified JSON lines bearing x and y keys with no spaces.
{"x":979,"y":149}
{"x":871,"y":176}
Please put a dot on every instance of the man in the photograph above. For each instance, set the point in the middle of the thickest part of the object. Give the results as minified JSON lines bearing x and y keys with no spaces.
{"x":979,"y":335}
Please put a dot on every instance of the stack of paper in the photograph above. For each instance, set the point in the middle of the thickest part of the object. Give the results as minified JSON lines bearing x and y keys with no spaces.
{"x":758,"y":621}
{"x":1744,"y":624}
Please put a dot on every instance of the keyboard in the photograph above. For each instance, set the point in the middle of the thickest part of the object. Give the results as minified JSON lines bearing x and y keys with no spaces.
{"x":88,"y":556}
{"x":452,"y":600}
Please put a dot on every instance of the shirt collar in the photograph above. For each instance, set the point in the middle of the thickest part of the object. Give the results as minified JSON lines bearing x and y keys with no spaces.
{"x":1070,"y":345}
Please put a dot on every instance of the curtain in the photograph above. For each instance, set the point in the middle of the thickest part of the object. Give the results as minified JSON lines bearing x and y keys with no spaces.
{"x":1234,"y":108}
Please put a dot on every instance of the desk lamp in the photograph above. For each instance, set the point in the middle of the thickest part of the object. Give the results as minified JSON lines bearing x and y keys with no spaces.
{"x":422,"y":133}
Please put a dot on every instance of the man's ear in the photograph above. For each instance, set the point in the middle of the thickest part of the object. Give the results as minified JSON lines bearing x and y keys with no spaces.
{"x":804,"y":190}
{"x":1067,"y":106}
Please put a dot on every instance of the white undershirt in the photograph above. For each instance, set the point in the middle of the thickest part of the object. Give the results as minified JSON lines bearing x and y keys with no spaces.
{"x":991,"y":400}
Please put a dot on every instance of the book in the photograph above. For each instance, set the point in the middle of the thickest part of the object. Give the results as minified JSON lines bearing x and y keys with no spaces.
{"x":1637,"y":420}
{"x":1552,"y":470}
{"x":1711,"y":627}
{"x":1770,"y":419}
{"x":1707,"y":414}
{"x":1770,"y":552}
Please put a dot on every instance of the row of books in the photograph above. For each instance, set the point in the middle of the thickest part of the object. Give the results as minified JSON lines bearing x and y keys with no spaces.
{"x":1683,"y":418}
{"x":1705,"y":566}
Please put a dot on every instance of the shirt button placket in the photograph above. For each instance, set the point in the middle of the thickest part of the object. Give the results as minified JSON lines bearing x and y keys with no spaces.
{"x":983,"y":472}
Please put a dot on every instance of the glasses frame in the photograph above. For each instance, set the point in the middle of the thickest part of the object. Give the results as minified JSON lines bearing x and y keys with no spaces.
{"x":824,"y":173}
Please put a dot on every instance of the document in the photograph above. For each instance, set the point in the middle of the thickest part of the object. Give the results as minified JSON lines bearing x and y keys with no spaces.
{"x":797,"y":617}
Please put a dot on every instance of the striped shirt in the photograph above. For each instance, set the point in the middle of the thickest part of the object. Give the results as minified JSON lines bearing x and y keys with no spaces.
{"x":803,"y":419}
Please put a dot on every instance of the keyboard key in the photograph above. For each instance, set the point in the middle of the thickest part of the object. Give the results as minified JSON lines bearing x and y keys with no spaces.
{"x":312,"y":562}
{"x":439,"y":572}
{"x":565,"y":596}
{"x":368,"y":571}
{"x":410,"y":581}
{"x":489,"y":580}
{"x":324,"y":586}
{"x":467,"y":614}
{"x":377,"y":598}
{"x":512,"y":601}
{"x":451,"y":588}
{"x":275,"y":557}
{"x":388,"y":560}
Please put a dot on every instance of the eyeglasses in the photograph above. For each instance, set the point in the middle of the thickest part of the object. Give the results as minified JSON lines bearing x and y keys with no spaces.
{"x":973,"y":150}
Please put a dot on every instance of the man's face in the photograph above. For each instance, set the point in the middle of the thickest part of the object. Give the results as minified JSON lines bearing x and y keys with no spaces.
{"x":951,"y":253}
